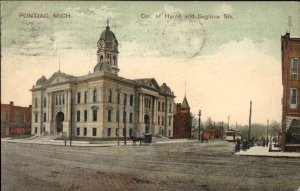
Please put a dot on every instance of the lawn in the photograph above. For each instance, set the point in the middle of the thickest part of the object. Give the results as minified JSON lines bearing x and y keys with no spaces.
{"x":21,"y":136}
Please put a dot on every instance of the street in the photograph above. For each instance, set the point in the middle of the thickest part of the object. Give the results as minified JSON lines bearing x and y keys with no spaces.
{"x":176,"y":166}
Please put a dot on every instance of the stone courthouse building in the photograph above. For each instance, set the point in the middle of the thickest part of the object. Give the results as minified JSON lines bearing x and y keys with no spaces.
{"x":95,"y":105}
{"x":290,"y":50}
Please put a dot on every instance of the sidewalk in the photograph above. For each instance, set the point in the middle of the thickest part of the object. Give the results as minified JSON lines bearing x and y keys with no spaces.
{"x":50,"y":141}
{"x":264,"y":152}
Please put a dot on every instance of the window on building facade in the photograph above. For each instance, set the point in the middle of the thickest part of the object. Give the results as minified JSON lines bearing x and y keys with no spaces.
{"x":85,"y":131}
{"x":85,"y":97}
{"x":117,"y":116}
{"x":114,"y":60}
{"x":35,"y":103}
{"x":78,"y":131}
{"x":95,"y":96}
{"x":170,"y":108}
{"x":109,"y":132}
{"x":125,"y":99}
{"x":169,"y":133}
{"x":44,"y":102}
{"x":162,"y":120}
{"x":293,"y":102}
{"x":36,"y":117}
{"x":85,"y":115}
{"x":78,"y":97}
{"x":158,"y":120}
{"x":163,"y":106}
{"x":94,"y":131}
{"x":45,"y":117}
{"x":294,"y":68}
{"x":124,"y":117}
{"x":56,"y":100}
{"x":59,"y":99}
{"x":94,"y":115}
{"x":118,"y":98}
{"x":159,"y":106}
{"x":130,"y":132}
{"x":110,"y":96}
{"x":17,"y":117}
{"x":170,"y":119}
{"x":35,"y":130}
{"x":109,"y":112}
{"x":131,"y":118}
{"x":63,"y":99}
{"x":131,"y":100}
{"x":78,"y":115}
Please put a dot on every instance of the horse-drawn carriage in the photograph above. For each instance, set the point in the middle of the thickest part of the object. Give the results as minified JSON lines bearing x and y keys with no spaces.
{"x":146,"y":138}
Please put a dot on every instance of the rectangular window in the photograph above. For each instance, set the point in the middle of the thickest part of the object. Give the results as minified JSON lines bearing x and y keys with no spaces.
{"x":118,"y":98}
{"x":95,"y":96}
{"x":94,"y":131}
{"x":169,"y":133}
{"x":293,"y":102}
{"x":170,"y":108}
{"x":163,"y":107}
{"x":125,"y":99}
{"x":130,"y":117}
{"x":78,"y":115}
{"x":63,"y":99}
{"x":159,"y":106}
{"x":158,"y":120}
{"x":294,"y":68}
{"x":35,"y":103}
{"x":124,"y":117}
{"x":78,"y":97}
{"x":44,"y":102}
{"x":45,"y":117}
{"x":85,"y":96}
{"x":117,"y":116}
{"x":170,"y":121}
{"x":59,"y":99}
{"x":130,"y":132}
{"x":56,"y":100}
{"x":36,"y":117}
{"x":85,"y":115}
{"x":94,"y":115}
{"x":35,"y":130}
{"x":85,"y":131}
{"x":17,"y":117}
{"x":131,"y":100}
{"x":78,"y":131}
{"x":108,"y":132}
{"x":162,"y":120}
{"x":109,"y":115}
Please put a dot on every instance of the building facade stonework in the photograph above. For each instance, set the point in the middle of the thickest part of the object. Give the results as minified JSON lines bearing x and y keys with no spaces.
{"x":183,"y":120}
{"x":101,"y":104}
{"x":290,"y":51}
{"x":15,"y":120}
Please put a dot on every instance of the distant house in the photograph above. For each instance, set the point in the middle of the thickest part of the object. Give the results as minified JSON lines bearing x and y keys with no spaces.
{"x":290,"y":52}
{"x":15,"y":120}
{"x":182,"y":121}
{"x":213,"y":132}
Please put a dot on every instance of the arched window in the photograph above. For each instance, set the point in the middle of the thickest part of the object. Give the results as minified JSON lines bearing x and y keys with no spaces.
{"x":110,"y":96}
{"x":101,"y":58}
{"x":95,"y":96}
{"x":35,"y":103}
{"x":114,"y":60}
{"x":108,"y":58}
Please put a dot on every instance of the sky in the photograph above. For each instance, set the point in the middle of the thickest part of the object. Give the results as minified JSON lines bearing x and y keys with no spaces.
{"x":224,"y":62}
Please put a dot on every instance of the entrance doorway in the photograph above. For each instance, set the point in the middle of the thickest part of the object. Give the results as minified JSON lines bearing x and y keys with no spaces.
{"x":147,"y":124}
{"x":59,"y":122}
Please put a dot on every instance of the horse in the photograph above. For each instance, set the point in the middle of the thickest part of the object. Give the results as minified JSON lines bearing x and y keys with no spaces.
{"x":134,"y":139}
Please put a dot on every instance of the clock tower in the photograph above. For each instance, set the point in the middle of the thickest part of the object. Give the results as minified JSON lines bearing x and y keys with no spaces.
{"x":107,"y":54}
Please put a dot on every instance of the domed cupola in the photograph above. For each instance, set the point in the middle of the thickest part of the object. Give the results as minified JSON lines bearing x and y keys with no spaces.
{"x":41,"y":81}
{"x":107,"y":51}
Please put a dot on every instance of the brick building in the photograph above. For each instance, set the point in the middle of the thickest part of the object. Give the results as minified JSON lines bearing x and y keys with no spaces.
{"x":15,"y":120}
{"x":182,"y":121}
{"x":213,"y":132}
{"x":290,"y":52}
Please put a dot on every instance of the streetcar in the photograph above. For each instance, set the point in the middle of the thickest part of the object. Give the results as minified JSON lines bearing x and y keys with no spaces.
{"x":232,"y":135}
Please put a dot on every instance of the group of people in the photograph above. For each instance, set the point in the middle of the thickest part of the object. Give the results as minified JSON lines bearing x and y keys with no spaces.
{"x":246,"y":144}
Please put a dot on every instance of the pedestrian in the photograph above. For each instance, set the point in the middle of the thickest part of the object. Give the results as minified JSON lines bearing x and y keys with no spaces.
{"x":238,"y":145}
{"x":245,"y":145}
{"x":263,"y":141}
{"x":267,"y":142}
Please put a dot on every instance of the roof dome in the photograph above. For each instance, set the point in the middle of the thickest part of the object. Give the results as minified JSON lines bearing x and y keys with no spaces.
{"x":103,"y":66}
{"x":108,"y":35}
{"x":166,"y":89}
{"x":41,"y":81}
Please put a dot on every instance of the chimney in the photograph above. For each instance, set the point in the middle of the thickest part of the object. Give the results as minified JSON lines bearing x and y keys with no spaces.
{"x":11,"y":103}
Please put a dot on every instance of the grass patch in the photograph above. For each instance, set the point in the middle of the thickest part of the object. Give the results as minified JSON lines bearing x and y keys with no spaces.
{"x":91,"y":139}
{"x":21,"y":136}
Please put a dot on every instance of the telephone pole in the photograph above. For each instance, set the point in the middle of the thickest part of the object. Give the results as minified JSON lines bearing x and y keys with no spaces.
{"x":249,"y":131}
{"x":199,"y":124}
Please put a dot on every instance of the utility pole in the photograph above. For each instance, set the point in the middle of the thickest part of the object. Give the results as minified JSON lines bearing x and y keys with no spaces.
{"x":199,"y":124}
{"x":236,"y":126}
{"x":228,"y":121}
{"x":124,"y":119}
{"x":222,"y":130}
{"x":268,"y":129}
{"x":249,"y":131}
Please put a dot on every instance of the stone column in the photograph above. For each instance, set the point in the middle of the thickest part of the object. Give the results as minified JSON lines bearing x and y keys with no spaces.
{"x":141,"y":108}
{"x":69,"y":106}
{"x":50,"y":106}
{"x":65,"y":103}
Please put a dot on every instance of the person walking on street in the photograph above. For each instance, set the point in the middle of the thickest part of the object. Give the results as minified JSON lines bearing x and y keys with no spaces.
{"x":267,"y":142}
{"x":238,"y":145}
